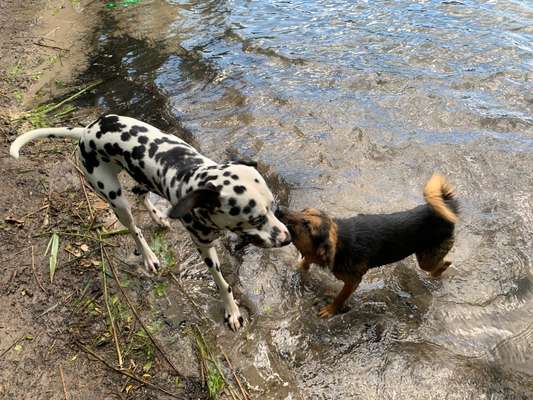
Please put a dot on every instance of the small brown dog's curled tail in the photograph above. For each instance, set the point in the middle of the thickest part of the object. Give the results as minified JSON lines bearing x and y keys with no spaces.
{"x":440,"y":196}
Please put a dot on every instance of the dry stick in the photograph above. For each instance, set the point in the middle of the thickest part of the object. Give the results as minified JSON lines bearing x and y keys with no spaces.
{"x":35,"y":212}
{"x":243,"y":391}
{"x":35,"y":273}
{"x":63,"y":382}
{"x":50,"y":47}
{"x":126,"y":372}
{"x":12,"y":345}
{"x":106,"y":301}
{"x":87,"y":199}
{"x":130,"y":304}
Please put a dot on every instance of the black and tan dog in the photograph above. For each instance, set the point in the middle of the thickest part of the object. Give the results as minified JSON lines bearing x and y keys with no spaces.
{"x":350,"y":247}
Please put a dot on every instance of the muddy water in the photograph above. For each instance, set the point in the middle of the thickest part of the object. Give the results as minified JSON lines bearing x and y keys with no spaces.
{"x":350,"y":106}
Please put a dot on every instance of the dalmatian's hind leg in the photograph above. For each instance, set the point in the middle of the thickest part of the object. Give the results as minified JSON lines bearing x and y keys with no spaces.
{"x":157,"y":216}
{"x":103,"y":178}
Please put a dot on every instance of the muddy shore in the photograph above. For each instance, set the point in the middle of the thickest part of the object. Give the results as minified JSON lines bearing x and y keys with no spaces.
{"x":45,"y":46}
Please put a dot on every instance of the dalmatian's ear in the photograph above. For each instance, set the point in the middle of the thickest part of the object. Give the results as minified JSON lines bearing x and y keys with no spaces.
{"x":245,"y":161}
{"x":201,"y":198}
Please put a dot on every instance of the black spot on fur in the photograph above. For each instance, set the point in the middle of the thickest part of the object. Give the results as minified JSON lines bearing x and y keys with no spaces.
{"x":125,"y":136}
{"x":251,"y":203}
{"x":113,"y":149}
{"x":112,"y":195}
{"x":229,"y":289}
{"x":256,"y":180}
{"x":187,"y":218}
{"x":239,"y":189}
{"x":89,"y":159}
{"x":226,"y":182}
{"x":235,"y":177}
{"x":226,"y":173}
{"x":100,"y":185}
{"x":246,"y":210}
{"x":143,"y":139}
{"x":139,"y":190}
{"x":135,"y":129}
{"x":232,"y":201}
{"x":208,"y":262}
{"x":109,"y":123}
{"x":235,"y":211}
{"x":138,"y":152}
{"x":119,"y":192}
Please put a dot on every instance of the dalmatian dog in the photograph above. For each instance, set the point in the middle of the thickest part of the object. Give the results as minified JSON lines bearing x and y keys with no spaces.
{"x":205,"y":196}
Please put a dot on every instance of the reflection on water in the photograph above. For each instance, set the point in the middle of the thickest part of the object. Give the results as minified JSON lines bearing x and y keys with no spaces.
{"x":350,"y":106}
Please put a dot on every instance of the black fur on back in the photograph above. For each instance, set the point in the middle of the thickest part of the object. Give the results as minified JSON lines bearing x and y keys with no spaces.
{"x":368,"y":241}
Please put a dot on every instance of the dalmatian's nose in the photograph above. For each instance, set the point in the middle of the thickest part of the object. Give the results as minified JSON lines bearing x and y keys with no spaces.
{"x":287,"y":240}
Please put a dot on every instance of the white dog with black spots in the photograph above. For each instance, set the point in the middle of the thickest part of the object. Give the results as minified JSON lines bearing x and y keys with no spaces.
{"x":205,"y":196}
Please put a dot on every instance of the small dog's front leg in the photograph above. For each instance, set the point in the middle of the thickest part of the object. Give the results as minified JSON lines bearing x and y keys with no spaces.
{"x":305,"y":264}
{"x":232,"y":315}
{"x":349,"y":287}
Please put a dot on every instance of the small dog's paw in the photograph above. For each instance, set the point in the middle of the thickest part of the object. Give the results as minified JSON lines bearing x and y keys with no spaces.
{"x":328,"y":311}
{"x":234,"y":320}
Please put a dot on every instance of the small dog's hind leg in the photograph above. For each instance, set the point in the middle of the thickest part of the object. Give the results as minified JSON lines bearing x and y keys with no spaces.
{"x":435,"y":260}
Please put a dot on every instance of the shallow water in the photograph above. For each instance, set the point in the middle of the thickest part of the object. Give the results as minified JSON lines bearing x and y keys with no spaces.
{"x":350,"y":107}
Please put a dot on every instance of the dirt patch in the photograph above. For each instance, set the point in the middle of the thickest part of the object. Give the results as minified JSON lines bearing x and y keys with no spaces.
{"x":73,"y":333}
{"x":45,"y":45}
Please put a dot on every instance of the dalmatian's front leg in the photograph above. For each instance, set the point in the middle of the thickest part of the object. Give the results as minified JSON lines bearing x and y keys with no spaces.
{"x":232,"y":315}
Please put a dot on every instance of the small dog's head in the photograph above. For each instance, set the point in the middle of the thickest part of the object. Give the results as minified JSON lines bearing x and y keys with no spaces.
{"x":237,"y":198}
{"x":313,"y":233}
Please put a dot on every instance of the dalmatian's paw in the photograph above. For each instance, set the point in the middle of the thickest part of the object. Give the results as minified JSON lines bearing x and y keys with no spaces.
{"x":151,"y":263}
{"x":234,"y":319}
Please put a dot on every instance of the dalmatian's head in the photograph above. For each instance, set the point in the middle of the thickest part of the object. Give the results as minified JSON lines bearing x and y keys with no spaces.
{"x":235,"y":197}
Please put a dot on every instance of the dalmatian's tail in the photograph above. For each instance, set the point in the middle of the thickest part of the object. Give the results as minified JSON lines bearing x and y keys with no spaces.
{"x":74,"y":133}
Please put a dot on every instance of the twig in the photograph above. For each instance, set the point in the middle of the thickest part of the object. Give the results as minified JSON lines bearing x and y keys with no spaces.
{"x":35,"y":272}
{"x":184,"y":292}
{"x":243,"y":391}
{"x":12,"y":345}
{"x":86,"y":198}
{"x":130,"y":304}
{"x":48,"y":310}
{"x":63,"y":382}
{"x":34,"y":212}
{"x":126,"y":372}
{"x":106,"y":301}
{"x":50,"y":47}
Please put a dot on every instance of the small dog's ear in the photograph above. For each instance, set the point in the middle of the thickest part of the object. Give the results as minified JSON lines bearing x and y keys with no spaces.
{"x":245,"y":161}
{"x":201,"y":198}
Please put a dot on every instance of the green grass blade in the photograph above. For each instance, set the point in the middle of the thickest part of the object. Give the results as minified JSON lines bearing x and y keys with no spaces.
{"x":54,"y":250}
